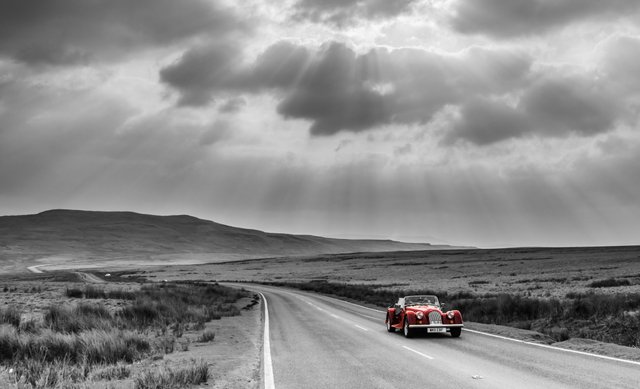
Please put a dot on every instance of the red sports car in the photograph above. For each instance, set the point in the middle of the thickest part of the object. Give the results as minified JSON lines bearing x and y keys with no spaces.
{"x":413,"y":313}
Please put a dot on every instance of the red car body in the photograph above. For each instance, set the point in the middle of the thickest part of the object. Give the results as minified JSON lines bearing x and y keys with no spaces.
{"x":423,"y":312}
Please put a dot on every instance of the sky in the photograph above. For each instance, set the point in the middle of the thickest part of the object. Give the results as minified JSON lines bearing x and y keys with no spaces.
{"x":487,"y":123}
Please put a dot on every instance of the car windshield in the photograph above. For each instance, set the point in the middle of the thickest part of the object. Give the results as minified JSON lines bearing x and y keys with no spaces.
{"x":421,"y":300}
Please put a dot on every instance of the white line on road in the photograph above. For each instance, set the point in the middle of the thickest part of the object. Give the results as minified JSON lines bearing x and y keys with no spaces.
{"x":417,"y":352}
{"x":367,"y":316}
{"x":554,"y":348}
{"x":34,"y":269}
{"x":358,"y":305}
{"x":362,"y":328}
{"x":268,"y":365}
{"x":334,"y":316}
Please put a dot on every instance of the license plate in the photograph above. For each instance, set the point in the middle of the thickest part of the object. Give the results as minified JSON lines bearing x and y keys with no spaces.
{"x":436,"y":330}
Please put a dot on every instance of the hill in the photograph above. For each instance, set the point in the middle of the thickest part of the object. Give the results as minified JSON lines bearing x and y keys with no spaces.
{"x":62,"y":236}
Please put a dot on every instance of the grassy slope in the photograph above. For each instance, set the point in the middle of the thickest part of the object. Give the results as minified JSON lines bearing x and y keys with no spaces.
{"x":87,"y":234}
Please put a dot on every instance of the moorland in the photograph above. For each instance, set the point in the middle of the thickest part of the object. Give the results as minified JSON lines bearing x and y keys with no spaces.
{"x":118,"y":299}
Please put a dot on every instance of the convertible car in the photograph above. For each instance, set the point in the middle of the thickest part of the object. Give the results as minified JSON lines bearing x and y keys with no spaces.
{"x":423,"y":312}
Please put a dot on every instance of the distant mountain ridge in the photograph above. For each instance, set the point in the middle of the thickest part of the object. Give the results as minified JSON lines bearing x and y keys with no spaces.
{"x":93,"y":234}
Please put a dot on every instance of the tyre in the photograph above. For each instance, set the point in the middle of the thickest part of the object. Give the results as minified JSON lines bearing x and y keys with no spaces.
{"x":389,"y":328}
{"x":455,"y":332}
{"x":408,"y":333}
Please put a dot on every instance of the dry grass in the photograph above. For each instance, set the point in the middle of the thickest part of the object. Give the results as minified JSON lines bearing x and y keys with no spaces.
{"x":173,"y":378}
{"x":73,"y":343}
{"x":207,"y":336}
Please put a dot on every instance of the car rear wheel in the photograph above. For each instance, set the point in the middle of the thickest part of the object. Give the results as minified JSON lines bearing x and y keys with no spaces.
{"x":455,"y":332}
{"x":406,"y":330}
{"x":389,"y":328}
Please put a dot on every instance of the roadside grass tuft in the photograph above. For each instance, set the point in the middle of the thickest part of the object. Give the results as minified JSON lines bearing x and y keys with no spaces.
{"x":10,"y":315}
{"x":74,"y":319}
{"x":207,"y":336}
{"x":110,"y":373}
{"x":161,"y":305}
{"x":91,"y":347}
{"x":167,"y":377}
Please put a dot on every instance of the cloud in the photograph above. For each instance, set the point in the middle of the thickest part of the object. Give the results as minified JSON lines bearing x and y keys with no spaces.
{"x":333,"y":93}
{"x":509,"y":18}
{"x":203,"y":69}
{"x":619,"y":61}
{"x":551,"y":106}
{"x":570,"y":104}
{"x":232,"y":105}
{"x":484,"y":122}
{"x":338,"y":89}
{"x":72,"y":31}
{"x":341,"y":12}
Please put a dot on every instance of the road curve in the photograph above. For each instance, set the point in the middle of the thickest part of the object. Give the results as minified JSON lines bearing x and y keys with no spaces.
{"x":320,"y":342}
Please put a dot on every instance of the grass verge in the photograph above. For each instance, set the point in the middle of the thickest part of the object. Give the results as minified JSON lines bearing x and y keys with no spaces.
{"x":72,"y":341}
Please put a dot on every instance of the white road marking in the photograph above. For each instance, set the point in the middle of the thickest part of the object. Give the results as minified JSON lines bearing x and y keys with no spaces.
{"x":358,"y":305}
{"x":34,"y":269}
{"x":417,"y":352}
{"x":555,"y":348}
{"x":334,"y":315}
{"x":268,"y":365}
{"x":368,"y":317}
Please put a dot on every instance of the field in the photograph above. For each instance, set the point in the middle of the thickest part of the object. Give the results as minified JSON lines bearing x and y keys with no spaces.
{"x":59,"y":332}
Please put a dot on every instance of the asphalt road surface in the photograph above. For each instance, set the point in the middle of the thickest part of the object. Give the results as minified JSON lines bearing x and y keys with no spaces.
{"x":320,"y":342}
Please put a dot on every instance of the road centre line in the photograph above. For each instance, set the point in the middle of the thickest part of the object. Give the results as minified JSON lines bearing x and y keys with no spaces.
{"x":417,"y":352}
{"x":334,"y":315}
{"x":357,"y":305}
{"x":355,"y":313}
{"x":268,"y":364}
{"x":555,"y":348}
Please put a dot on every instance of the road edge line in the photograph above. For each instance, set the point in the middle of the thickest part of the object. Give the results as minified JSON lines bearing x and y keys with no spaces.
{"x":266,"y":346}
{"x":568,"y":350}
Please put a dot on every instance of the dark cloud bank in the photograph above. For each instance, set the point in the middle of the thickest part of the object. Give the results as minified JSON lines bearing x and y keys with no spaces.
{"x":508,"y":18}
{"x":72,"y":31}
{"x":338,"y":89}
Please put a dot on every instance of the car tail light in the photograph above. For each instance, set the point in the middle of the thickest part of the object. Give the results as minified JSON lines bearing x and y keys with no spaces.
{"x":450,"y":315}
{"x":419,"y":315}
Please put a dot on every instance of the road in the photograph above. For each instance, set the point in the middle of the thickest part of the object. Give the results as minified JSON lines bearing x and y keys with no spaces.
{"x":86,"y":277}
{"x":320,"y":342}
{"x":34,"y":269}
